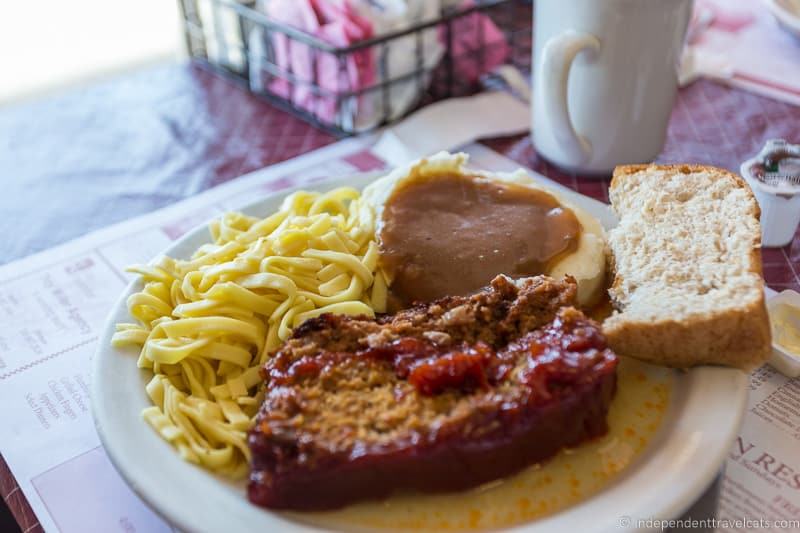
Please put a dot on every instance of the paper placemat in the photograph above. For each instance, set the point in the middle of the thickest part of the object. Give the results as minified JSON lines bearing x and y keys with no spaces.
{"x":53,"y":304}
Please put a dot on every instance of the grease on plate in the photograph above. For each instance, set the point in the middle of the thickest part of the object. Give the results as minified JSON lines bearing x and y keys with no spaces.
{"x":643,"y":395}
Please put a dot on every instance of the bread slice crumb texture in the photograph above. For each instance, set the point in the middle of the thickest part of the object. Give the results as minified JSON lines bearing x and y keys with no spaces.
{"x":687,"y":267}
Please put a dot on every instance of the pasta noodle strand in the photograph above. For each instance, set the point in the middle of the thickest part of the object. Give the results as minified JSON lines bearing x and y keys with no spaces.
{"x":206,"y":325}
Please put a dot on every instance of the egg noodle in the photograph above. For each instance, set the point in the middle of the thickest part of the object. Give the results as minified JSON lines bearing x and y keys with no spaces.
{"x":207,"y":324}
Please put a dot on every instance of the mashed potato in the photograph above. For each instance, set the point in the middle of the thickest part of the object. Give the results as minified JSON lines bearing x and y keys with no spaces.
{"x":586,"y":262}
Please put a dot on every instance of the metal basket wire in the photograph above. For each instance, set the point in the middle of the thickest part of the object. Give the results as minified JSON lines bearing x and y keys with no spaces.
{"x":238,"y":40}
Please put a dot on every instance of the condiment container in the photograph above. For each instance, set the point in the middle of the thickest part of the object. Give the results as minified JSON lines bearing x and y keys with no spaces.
{"x":774,"y":176}
{"x":784,"y":318}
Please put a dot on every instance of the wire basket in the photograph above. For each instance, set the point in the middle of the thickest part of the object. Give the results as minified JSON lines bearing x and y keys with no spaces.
{"x":362,"y":86}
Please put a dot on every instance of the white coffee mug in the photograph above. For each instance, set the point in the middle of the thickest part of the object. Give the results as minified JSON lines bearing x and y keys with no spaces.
{"x":605,"y":76}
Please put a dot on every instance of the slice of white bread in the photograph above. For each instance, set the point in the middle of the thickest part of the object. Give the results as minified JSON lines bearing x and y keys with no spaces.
{"x":688,"y":286}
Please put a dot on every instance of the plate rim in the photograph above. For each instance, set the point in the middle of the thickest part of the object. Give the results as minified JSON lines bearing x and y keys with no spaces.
{"x":732,"y":383}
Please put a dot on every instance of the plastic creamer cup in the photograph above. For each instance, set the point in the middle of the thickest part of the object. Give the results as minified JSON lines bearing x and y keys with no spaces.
{"x":774,"y":177}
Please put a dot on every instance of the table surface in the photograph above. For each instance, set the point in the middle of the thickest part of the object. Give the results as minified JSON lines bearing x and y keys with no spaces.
{"x":94,"y":156}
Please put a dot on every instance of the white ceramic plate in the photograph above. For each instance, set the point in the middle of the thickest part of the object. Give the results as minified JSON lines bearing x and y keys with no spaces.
{"x":681,"y":461}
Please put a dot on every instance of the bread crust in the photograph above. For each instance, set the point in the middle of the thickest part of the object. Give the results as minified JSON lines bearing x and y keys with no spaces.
{"x":739,"y":336}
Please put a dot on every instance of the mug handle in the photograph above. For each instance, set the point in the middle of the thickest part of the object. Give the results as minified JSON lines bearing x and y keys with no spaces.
{"x":557,"y":57}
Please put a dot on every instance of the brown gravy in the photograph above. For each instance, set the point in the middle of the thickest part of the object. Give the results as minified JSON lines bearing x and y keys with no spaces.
{"x":452,"y":234}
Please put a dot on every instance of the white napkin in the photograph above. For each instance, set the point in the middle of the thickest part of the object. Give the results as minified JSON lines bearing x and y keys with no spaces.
{"x":452,"y":123}
{"x":738,"y":42}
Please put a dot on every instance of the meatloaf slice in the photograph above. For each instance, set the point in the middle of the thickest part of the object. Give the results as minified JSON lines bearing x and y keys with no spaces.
{"x":442,"y":396}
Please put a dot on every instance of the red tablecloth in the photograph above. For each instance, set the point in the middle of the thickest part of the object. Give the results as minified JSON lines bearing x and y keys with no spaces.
{"x":86,"y":159}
